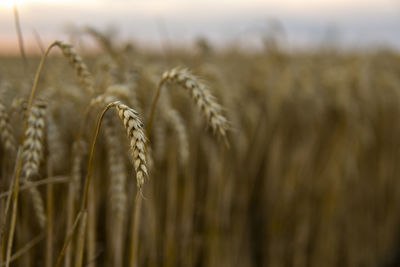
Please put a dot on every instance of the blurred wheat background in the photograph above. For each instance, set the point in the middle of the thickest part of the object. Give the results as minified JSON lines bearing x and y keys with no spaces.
{"x":248,"y":157}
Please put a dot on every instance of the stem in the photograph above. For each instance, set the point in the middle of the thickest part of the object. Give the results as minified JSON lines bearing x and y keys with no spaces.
{"x":8,"y":204}
{"x":153,"y":108}
{"x":68,"y":239}
{"x":84,"y":206}
{"x":91,"y":157}
{"x":81,"y":241}
{"x":133,"y":261}
{"x":50,"y":180}
{"x":38,"y":41}
{"x":50,"y":205}
{"x":20,"y":39}
{"x":70,"y":214}
{"x":91,"y":229}
{"x":26,"y":248}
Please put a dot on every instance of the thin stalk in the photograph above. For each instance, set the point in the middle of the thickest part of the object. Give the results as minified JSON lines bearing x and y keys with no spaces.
{"x":91,"y":157}
{"x":153,"y":108}
{"x":8,"y":203}
{"x":71,"y":203}
{"x":20,"y":38}
{"x":133,"y":260}
{"x":70,"y":220}
{"x":50,"y":180}
{"x":84,"y":206}
{"x":81,"y":241}
{"x":39,"y":41}
{"x":49,"y":219}
{"x":27,"y":247}
{"x":68,"y":239}
{"x":91,"y":231}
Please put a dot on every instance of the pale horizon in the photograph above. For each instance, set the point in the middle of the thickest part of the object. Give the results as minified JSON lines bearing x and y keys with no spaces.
{"x":356,"y":24}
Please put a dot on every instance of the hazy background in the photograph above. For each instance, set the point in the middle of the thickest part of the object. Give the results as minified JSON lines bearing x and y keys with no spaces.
{"x":298,"y":23}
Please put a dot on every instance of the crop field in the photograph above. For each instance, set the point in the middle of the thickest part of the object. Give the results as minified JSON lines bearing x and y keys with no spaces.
{"x":124,"y":156}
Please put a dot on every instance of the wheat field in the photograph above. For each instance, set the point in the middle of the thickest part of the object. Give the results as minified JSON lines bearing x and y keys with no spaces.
{"x":199,"y":157}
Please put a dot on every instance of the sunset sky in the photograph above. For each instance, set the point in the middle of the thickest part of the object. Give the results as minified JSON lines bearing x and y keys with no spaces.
{"x":150,"y":22}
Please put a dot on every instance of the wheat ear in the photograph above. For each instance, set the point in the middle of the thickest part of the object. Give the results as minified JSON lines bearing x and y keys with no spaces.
{"x":6,"y":135}
{"x":200,"y":93}
{"x":134,"y":129}
{"x":82,"y":71}
{"x":32,"y":154}
{"x":32,"y":151}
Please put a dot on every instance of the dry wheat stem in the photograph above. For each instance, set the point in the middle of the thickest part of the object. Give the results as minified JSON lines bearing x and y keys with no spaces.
{"x":50,"y":180}
{"x":3,"y":220}
{"x":68,"y":238}
{"x":81,"y":239}
{"x":20,"y":39}
{"x":27,"y":247}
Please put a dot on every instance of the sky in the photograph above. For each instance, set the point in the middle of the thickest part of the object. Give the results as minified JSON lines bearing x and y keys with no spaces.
{"x":297,"y":23}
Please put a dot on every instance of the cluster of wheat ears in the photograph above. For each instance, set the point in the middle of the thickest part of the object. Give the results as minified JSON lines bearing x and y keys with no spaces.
{"x":40,"y":148}
{"x":270,"y":159}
